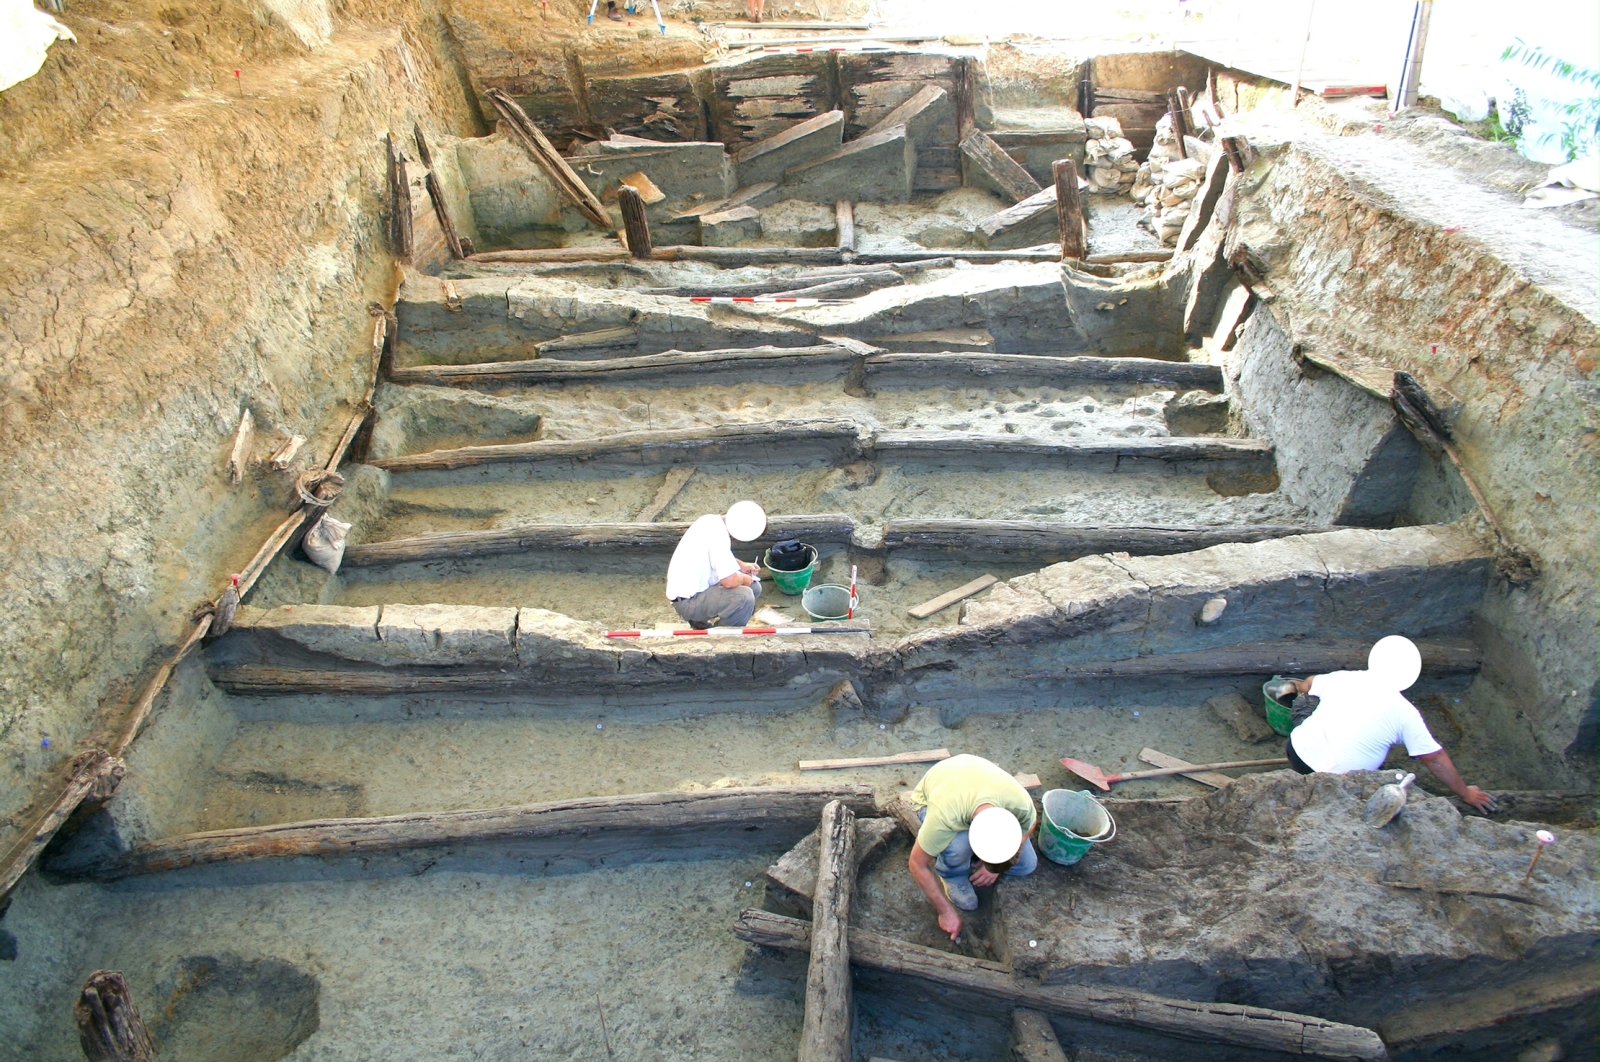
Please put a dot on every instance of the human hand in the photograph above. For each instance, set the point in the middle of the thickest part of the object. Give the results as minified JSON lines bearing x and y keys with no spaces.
{"x":983,"y":876}
{"x":1484,"y":802}
{"x":951,"y":924}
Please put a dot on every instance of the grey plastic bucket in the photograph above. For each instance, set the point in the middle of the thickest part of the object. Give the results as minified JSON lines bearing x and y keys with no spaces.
{"x":826,"y":601}
{"x":1073,"y":823}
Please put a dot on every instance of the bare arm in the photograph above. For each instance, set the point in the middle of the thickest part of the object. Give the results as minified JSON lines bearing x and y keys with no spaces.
{"x":921,"y":866}
{"x":736,"y":579}
{"x":1444,"y":769}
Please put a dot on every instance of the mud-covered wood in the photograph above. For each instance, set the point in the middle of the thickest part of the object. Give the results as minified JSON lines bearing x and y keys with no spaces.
{"x":671,"y":487}
{"x":904,"y":814}
{"x":1439,"y":657}
{"x":1032,"y":1038}
{"x":792,"y":880}
{"x":825,"y":1035}
{"x":758,"y":97}
{"x":674,"y":365}
{"x":975,"y":445}
{"x":577,"y":823}
{"x":634,"y":221}
{"x":844,"y":225}
{"x":1430,"y":1027}
{"x":996,"y":167}
{"x":1180,"y":122}
{"x":400,"y":238}
{"x":990,"y":983}
{"x":91,"y":773}
{"x":109,"y":1026}
{"x":527,"y":134}
{"x":645,"y":447}
{"x":919,"y":369}
{"x":1069,"y":210}
{"x":1055,"y":541}
{"x":606,"y":538}
{"x":441,"y":206}
{"x":268,"y":680}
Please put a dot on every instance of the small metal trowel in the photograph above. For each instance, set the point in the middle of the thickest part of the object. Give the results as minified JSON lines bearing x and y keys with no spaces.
{"x":1387,"y":802}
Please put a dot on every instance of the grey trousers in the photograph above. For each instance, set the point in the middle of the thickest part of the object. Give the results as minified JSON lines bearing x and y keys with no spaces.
{"x":718,"y":606}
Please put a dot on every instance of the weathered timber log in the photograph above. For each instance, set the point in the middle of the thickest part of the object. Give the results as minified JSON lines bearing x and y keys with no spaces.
{"x":635,"y":223}
{"x":904,"y":814}
{"x":441,"y":207}
{"x":574,"y":822}
{"x":844,"y":224}
{"x":537,"y":255}
{"x":670,"y":488}
{"x":644,"y":536}
{"x":1429,"y":1027}
{"x":1067,"y":541}
{"x":400,"y":237}
{"x":825,"y":1035}
{"x":1032,"y":1038}
{"x":94,"y":773}
{"x":973,"y":445}
{"x":1069,"y":210}
{"x":109,"y":1026}
{"x":844,"y":288}
{"x":989,"y":983}
{"x":532,"y":140}
{"x":1439,"y":657}
{"x":1129,"y":257}
{"x":645,"y":447}
{"x":997,"y":167}
{"x":684,"y":367}
{"x":793,"y":878}
{"x":919,"y":369}
{"x":743,"y":256}
{"x":365,"y":682}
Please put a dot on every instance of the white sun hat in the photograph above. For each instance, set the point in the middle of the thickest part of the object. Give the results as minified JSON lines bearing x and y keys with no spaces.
{"x":995,"y":835}
{"x":1395,"y":662}
{"x":746,"y":520}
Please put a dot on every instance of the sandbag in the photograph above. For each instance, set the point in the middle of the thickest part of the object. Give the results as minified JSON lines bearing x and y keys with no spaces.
{"x":324,"y":543}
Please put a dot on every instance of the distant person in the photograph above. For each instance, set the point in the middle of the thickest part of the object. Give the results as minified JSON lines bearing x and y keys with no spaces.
{"x":976,"y":822}
{"x":754,"y":7}
{"x":706,"y":583}
{"x":1359,"y":715}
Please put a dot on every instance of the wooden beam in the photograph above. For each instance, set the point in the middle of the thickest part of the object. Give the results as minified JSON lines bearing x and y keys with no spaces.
{"x":400,"y":235}
{"x":109,"y":1026}
{"x":960,"y":593}
{"x":93,"y":772}
{"x":1291,"y":656}
{"x":826,"y":1034}
{"x":544,"y":154}
{"x":1069,"y":210}
{"x":635,"y":223}
{"x":928,"y":756}
{"x":574,"y":823}
{"x":999,"y":168}
{"x":774,"y":256}
{"x":1033,"y":1039}
{"x":441,"y":208}
{"x":1214,"y":779}
{"x":671,"y":486}
{"x":1067,"y":541}
{"x":991,"y":983}
{"x":792,"y":880}
{"x":844,"y":224}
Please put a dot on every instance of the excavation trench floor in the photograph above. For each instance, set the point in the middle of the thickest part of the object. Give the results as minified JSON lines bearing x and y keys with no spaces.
{"x":1125,"y":491}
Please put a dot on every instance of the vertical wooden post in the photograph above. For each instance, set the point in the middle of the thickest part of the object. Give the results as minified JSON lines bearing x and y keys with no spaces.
{"x":827,"y":1033}
{"x":634,"y":222}
{"x":1086,"y":97}
{"x":844,"y":218}
{"x":109,"y":1026}
{"x":399,"y":203}
{"x":436,"y":193}
{"x":1069,"y":210}
{"x":1180,"y":128}
{"x":1234,"y":150}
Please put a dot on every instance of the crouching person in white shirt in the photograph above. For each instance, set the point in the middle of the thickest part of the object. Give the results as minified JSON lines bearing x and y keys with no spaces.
{"x":706,"y":583}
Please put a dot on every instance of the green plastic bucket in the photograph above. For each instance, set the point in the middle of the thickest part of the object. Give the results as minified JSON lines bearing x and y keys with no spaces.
{"x":795,"y":582}
{"x":1073,"y":823}
{"x":1279,"y":718}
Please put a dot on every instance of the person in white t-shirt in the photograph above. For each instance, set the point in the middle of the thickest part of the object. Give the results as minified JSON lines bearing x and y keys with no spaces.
{"x":706,"y":583}
{"x":1361,"y":714}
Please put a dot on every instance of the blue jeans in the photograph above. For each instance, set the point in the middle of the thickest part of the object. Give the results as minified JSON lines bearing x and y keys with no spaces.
{"x":955,"y":862}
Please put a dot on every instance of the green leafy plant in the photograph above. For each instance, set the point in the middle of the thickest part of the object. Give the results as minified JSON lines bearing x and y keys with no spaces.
{"x":1581,"y":130}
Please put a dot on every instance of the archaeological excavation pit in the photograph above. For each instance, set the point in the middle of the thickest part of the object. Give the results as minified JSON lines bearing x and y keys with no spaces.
{"x":1116,"y":381}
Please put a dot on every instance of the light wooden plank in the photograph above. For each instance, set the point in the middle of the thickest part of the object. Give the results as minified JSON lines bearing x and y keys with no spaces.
{"x":960,"y":593}
{"x":677,"y":476}
{"x":1156,"y":758}
{"x":928,"y":756}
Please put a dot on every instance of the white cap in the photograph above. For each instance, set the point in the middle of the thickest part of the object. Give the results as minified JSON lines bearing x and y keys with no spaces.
{"x":1394,"y":662}
{"x":995,"y":835}
{"x":746,"y":520}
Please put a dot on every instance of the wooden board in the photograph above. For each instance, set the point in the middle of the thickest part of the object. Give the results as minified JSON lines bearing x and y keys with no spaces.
{"x":1157,"y":758}
{"x":945,"y":600}
{"x":928,"y":756}
{"x":997,"y":167}
{"x":677,"y":476}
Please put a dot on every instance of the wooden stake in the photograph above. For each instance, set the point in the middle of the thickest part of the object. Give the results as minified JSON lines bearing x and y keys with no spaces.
{"x":400,"y":236}
{"x":635,"y":223}
{"x":241,"y":447}
{"x":1180,"y":127}
{"x":992,"y":982}
{"x":109,"y":1026}
{"x":526,"y":133}
{"x":960,"y":593}
{"x":1069,"y":210}
{"x":1233,"y":147}
{"x":844,"y":220}
{"x":929,"y":756}
{"x":677,"y":476}
{"x":830,"y":1013}
{"x":441,"y":208}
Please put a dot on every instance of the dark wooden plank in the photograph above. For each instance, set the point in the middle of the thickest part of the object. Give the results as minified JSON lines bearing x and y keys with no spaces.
{"x":1217,"y":1023}
{"x":1068,"y":541}
{"x":634,"y":222}
{"x":1069,"y":210}
{"x":997,"y":167}
{"x":826,"y":1033}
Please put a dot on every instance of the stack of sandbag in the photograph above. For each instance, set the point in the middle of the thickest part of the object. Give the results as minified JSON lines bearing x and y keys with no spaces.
{"x":1165,"y":184}
{"x":1108,"y":161}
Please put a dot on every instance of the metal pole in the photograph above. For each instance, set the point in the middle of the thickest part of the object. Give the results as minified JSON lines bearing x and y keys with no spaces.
{"x":1411,"y":72}
{"x":1299,"y":72}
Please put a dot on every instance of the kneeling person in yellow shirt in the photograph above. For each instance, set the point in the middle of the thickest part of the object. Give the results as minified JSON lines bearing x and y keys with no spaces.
{"x":976,"y":825}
